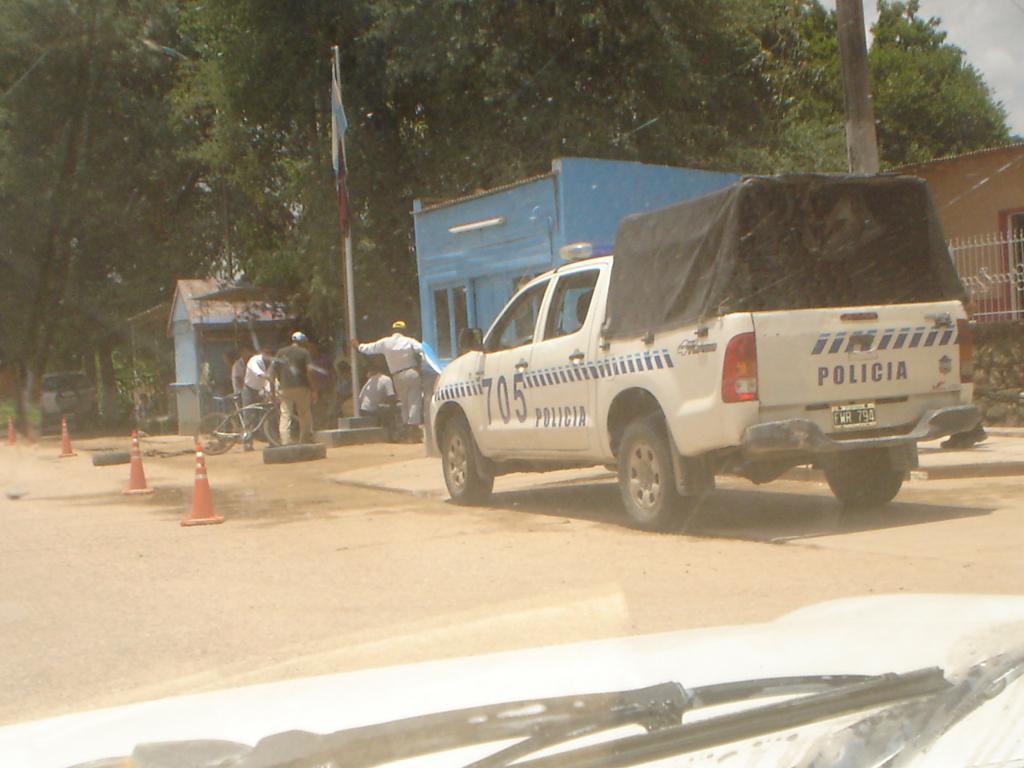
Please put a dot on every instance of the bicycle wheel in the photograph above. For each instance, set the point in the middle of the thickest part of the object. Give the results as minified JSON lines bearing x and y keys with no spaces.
{"x":272,"y":425}
{"x":218,"y":432}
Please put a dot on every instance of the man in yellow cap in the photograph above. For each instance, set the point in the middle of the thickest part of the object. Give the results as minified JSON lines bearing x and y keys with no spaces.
{"x":404,"y":356}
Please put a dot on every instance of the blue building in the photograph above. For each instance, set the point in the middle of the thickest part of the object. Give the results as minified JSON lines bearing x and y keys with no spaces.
{"x":471,"y":252}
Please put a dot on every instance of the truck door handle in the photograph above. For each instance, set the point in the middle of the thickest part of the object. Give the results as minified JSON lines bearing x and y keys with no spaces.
{"x":576,"y":357}
{"x":522,"y":365}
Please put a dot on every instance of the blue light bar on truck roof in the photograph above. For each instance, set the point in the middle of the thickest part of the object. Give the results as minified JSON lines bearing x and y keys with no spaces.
{"x":578,"y":251}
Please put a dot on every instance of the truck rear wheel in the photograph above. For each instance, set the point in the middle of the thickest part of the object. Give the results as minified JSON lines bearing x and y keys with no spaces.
{"x":863,"y":479}
{"x":647,"y":481}
{"x":466,"y":482}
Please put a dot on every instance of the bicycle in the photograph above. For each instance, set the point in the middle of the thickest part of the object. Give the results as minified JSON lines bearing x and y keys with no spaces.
{"x":220,"y":430}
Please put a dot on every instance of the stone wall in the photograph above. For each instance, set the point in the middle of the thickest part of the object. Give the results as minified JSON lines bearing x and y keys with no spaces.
{"x":999,"y":372}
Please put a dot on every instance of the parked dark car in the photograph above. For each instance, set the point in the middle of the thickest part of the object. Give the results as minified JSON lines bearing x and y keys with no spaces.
{"x":70,"y":394}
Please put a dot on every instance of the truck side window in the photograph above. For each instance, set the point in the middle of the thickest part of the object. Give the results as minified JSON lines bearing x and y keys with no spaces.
{"x":515,"y":327}
{"x":571,"y":303}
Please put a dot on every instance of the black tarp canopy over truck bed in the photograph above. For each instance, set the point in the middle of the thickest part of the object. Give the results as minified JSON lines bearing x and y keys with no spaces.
{"x":776,"y":243}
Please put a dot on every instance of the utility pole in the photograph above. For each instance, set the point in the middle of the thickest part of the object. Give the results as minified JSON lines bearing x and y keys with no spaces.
{"x":861,"y":142}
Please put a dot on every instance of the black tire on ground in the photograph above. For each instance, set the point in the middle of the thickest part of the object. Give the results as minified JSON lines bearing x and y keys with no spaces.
{"x":289,"y":454}
{"x":461,"y":462}
{"x":110,"y":458}
{"x":863,"y":479}
{"x":647,"y":480}
{"x":218,"y":432}
{"x":272,"y":427}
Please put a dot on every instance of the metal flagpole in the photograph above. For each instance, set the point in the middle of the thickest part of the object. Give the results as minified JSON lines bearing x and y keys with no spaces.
{"x":350,"y":282}
{"x":350,"y":296}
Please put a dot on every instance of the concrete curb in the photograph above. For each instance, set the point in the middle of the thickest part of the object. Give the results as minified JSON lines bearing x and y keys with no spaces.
{"x":378,"y":487}
{"x":442,"y":493}
{"x":966,"y":471}
{"x":952,"y":472}
{"x":333,"y":438}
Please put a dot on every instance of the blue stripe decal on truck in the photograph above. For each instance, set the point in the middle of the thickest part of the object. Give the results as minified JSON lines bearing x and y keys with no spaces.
{"x":607,"y":368}
{"x":891,"y":338}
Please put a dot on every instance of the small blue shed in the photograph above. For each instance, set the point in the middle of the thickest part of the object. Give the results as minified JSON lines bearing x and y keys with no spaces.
{"x":208,"y":319}
{"x":471,"y":252}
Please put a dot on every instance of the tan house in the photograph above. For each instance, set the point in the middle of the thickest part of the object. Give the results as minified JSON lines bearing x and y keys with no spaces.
{"x":977,"y":193}
{"x":980,"y":199}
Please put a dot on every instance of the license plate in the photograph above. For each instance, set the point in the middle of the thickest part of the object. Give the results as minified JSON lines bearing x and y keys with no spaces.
{"x":859,"y":415}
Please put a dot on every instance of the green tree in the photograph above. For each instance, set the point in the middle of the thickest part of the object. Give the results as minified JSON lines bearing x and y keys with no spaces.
{"x":142,"y":140}
{"x":800,"y":101}
{"x":443,"y":98}
{"x":99,"y":211}
{"x":929,"y":101}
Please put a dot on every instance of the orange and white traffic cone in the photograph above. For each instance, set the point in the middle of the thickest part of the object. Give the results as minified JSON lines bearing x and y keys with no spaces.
{"x":65,"y":439}
{"x":137,"y":479}
{"x":202,"y":500}
{"x":12,"y":435}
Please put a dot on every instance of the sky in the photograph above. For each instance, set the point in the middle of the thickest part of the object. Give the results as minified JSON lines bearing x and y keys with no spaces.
{"x":989,"y":32}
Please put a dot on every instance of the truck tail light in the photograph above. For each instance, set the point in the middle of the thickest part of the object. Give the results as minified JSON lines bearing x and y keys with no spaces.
{"x":965,"y":341}
{"x":739,"y":373}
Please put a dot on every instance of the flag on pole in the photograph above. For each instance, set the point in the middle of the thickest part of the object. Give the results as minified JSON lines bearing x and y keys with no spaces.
{"x":339,"y":125}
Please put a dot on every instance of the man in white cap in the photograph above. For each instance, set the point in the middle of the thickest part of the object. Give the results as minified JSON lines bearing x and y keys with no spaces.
{"x":291,"y":372}
{"x":403,"y":356}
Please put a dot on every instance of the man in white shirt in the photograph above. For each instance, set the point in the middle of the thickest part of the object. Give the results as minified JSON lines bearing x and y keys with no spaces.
{"x":403,"y":356}
{"x":377,"y":399}
{"x":256,"y":388}
{"x":238,"y":368}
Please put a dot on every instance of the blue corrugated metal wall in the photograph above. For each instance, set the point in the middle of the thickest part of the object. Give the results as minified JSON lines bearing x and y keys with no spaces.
{"x":466,"y":277}
{"x":594,"y":195}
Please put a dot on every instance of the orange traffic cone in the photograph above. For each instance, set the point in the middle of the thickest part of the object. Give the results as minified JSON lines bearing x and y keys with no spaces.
{"x":65,"y":439}
{"x":137,"y":480}
{"x":12,"y":436}
{"x":202,"y":501}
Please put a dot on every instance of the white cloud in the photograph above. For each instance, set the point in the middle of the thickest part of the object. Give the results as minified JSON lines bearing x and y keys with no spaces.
{"x":989,"y":33}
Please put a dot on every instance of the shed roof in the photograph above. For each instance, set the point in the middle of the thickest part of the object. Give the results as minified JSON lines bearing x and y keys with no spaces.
{"x":1013,"y":145}
{"x":481,"y":193}
{"x":250,"y":306}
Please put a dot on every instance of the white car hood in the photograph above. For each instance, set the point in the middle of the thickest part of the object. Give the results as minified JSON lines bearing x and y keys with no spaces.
{"x":870,"y":635}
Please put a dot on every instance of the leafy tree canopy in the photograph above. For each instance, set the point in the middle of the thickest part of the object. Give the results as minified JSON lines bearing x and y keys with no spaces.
{"x":141,"y":141}
{"x":929,"y":101}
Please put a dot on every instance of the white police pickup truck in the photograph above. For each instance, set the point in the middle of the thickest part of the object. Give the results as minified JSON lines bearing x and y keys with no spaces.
{"x":782,"y":321}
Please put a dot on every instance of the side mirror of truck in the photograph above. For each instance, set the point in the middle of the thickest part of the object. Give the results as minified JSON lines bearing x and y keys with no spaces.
{"x":470,"y":340}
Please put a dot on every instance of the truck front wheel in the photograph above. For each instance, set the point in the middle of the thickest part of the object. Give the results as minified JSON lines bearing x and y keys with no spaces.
{"x":863,"y":479}
{"x":646,"y":479}
{"x":467,"y":483}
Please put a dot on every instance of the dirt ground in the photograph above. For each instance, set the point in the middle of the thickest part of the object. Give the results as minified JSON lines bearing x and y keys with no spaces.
{"x":105,"y":599}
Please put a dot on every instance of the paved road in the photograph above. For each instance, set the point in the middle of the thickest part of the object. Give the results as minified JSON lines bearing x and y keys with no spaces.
{"x":105,"y":599}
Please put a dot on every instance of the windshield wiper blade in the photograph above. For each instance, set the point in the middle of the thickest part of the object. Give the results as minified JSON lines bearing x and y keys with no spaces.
{"x":438,"y":732}
{"x":701,"y":696}
{"x":536,"y":723}
{"x":750,"y":723}
{"x":899,"y":734}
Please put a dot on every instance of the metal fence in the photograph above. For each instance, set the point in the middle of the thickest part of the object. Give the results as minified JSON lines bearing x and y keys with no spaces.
{"x":991,"y":268}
